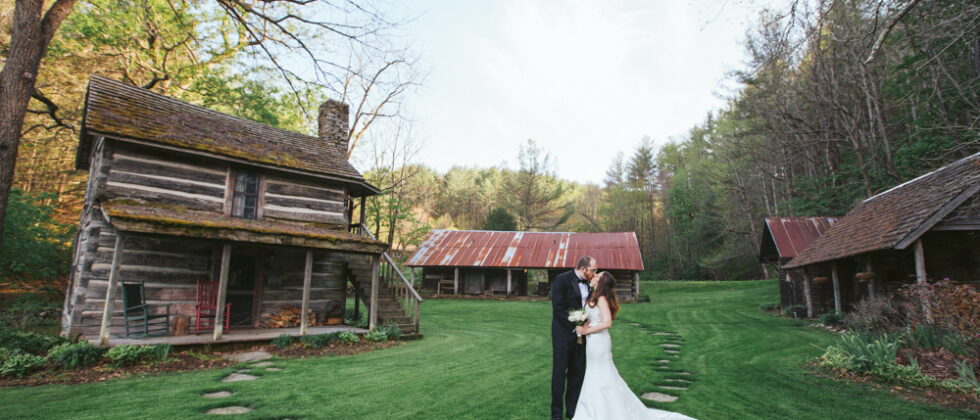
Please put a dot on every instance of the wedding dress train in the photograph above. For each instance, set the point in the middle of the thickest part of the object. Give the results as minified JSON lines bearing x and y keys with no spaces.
{"x":605,"y":396}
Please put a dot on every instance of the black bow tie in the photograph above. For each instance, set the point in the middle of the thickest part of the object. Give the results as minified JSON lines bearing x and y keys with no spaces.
{"x":583,"y":281}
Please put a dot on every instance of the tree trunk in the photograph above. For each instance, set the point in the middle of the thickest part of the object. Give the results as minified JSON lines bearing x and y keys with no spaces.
{"x":29,"y":38}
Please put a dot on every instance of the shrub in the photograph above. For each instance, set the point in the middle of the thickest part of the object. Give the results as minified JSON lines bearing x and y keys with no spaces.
{"x":282,"y":341}
{"x":769,"y":307}
{"x":967,"y":376}
{"x":831,"y":318}
{"x":347,"y":337}
{"x":377,"y":335}
{"x":877,"y":314}
{"x":868,"y":352}
{"x":75,"y":355}
{"x":349,"y":319}
{"x":29,"y":342}
{"x":952,"y":307}
{"x":835,"y":357}
{"x":34,"y":244}
{"x":319,"y":340}
{"x":643,"y":299}
{"x":128,"y":354}
{"x":14,"y":362}
{"x":930,"y":337}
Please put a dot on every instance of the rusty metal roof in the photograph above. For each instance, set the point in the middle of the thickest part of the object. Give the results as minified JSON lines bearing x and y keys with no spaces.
{"x":792,"y":235}
{"x":475,"y":248}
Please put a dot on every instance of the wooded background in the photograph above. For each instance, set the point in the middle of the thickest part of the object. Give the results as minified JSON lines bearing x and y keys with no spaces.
{"x":839,"y":100}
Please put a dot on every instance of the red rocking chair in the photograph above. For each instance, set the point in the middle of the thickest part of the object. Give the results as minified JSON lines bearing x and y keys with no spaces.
{"x":207,"y":307}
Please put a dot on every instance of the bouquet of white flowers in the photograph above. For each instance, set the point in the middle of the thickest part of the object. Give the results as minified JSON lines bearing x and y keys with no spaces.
{"x":578,"y":317}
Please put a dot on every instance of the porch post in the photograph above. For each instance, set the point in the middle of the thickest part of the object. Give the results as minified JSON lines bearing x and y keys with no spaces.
{"x":833,"y":276}
{"x":110,"y":293}
{"x":456,"y":281}
{"x":305,"y":306}
{"x":871,"y":281}
{"x":920,"y":274}
{"x":222,"y":292}
{"x":362,"y":212}
{"x":806,"y":293}
{"x":636,"y":281}
{"x":373,"y":314}
{"x":508,"y":281}
{"x":411,"y":275}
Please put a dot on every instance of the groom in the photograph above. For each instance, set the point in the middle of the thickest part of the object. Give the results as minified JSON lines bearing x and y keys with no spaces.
{"x":569,"y":292}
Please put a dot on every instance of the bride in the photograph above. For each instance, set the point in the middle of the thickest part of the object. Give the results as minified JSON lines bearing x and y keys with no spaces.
{"x":604,"y":393}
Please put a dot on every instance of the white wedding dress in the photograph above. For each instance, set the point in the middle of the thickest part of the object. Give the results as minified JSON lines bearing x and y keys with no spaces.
{"x":605,"y":396}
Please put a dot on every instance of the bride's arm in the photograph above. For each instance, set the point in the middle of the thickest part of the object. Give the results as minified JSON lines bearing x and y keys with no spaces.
{"x":606,"y":317}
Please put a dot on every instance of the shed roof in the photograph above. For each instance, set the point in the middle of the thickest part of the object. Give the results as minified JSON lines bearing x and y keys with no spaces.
{"x":476,"y":248}
{"x":896,"y":218}
{"x":790,"y":235}
{"x":126,"y":112}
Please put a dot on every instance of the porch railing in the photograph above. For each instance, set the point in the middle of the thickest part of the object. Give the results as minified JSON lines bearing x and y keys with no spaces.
{"x":404,"y":291}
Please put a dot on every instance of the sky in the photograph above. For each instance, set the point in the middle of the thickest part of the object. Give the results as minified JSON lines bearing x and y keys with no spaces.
{"x":583,"y":79}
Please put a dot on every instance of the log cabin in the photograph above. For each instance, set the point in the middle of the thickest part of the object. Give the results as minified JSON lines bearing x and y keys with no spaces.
{"x":782,"y":239}
{"x":496,"y":263}
{"x":925,"y":229}
{"x":179,"y":195}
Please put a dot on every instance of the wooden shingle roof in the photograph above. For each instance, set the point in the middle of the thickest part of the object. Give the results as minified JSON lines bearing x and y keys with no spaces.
{"x":896,"y":218}
{"x":126,"y":112}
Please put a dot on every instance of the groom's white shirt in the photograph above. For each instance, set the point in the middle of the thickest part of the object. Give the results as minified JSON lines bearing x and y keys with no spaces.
{"x":584,"y":288}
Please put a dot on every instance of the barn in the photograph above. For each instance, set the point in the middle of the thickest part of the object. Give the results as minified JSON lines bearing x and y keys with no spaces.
{"x":783,"y":238}
{"x":496,"y":263}
{"x":924,"y":229}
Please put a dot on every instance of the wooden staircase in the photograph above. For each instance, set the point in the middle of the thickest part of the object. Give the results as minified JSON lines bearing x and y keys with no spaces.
{"x":398,"y":302}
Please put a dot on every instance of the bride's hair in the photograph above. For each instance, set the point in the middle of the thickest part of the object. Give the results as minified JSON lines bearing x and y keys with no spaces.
{"x":606,"y":286}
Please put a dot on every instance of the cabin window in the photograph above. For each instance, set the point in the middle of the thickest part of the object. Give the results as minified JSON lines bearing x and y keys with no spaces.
{"x":245,"y":200}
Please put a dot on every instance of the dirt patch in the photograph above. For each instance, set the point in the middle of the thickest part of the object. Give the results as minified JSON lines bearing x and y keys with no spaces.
{"x":179,"y":362}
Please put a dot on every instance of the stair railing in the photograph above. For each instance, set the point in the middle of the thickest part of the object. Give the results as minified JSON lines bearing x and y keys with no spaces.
{"x":392,"y":277}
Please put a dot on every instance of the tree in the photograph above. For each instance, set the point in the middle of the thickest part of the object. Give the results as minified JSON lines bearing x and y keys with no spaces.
{"x":534,"y":194}
{"x":500,"y":219}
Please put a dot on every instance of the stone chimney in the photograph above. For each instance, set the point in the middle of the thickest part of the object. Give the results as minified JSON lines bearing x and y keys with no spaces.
{"x":333,"y":123}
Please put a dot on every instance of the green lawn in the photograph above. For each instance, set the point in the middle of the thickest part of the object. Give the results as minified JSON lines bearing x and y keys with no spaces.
{"x":491,"y":359}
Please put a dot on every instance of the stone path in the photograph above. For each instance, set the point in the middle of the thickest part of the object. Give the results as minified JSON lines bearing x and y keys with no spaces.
{"x":257,"y":360}
{"x":671,"y":384}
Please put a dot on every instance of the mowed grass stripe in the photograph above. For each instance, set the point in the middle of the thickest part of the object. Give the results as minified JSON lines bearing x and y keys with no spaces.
{"x":492,"y":360}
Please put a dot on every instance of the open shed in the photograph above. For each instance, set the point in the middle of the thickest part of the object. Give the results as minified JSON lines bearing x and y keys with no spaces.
{"x":783,"y":238}
{"x":492,"y":262}
{"x":926,"y":228}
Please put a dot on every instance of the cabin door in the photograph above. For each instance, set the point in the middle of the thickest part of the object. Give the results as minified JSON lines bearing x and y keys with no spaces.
{"x":241,"y":289}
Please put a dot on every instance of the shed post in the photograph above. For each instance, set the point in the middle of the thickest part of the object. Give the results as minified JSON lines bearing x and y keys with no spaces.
{"x":411,"y":275}
{"x":508,"y":281}
{"x":362,"y":213}
{"x":871,"y":281}
{"x":305,"y":306}
{"x":636,"y":288}
{"x":833,"y":276}
{"x":222,"y":291}
{"x":806,"y":292}
{"x":375,"y":277}
{"x":920,"y":274}
{"x":110,"y":293}
{"x":456,"y":281}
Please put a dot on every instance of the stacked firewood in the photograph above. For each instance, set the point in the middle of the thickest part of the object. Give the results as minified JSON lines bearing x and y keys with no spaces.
{"x":288,"y":317}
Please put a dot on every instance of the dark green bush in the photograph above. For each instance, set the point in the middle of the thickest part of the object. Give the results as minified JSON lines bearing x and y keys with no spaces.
{"x":350,"y":319}
{"x":29,"y":342}
{"x":75,"y":355}
{"x":643,"y":299}
{"x":769,"y":307}
{"x":34,"y":244}
{"x":14,"y":362}
{"x":869,"y":352}
{"x":319,"y":340}
{"x":930,"y":337}
{"x":282,"y":341}
{"x":128,"y":354}
{"x":377,"y":335}
{"x":832,"y":318}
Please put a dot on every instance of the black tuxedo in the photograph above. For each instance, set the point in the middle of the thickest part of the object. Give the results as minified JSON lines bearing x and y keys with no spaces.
{"x":568,"y":356}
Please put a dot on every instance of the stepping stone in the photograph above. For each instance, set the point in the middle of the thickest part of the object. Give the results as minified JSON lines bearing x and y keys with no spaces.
{"x":262,"y":364}
{"x":658,"y":397}
{"x":634,"y":323}
{"x":252,"y":356}
{"x":219,"y":394}
{"x":684,"y":373}
{"x":662,"y":361}
{"x":274,"y":369}
{"x":678,"y":388}
{"x":235,"y":409}
{"x":238,"y":377}
{"x":243,"y":370}
{"x":671,"y":351}
{"x":683,"y":381}
{"x":663,"y":333}
{"x":670,"y":345}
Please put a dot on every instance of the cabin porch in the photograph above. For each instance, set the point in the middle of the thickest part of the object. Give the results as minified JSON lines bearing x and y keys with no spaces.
{"x":234,"y":335}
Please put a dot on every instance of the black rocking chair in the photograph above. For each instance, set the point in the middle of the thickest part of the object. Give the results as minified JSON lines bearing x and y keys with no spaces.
{"x":139,"y":321}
